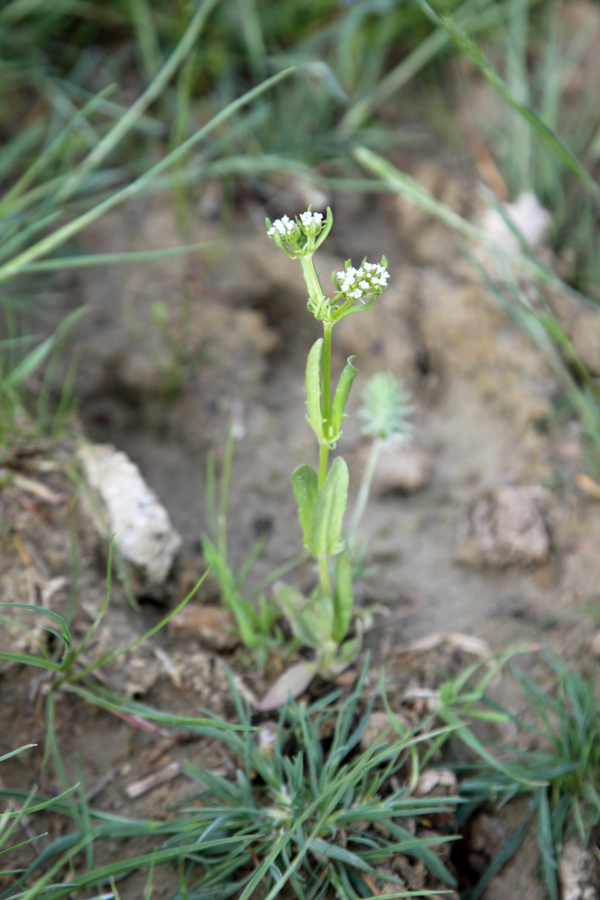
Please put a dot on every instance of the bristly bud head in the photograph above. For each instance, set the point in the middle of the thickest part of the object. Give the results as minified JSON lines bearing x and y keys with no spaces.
{"x":303,"y":235}
{"x":385,"y":407}
{"x":362,"y":284}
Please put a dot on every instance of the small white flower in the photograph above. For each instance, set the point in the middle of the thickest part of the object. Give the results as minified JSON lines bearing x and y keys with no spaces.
{"x":309,"y":218}
{"x":285,"y":227}
{"x":370,"y":278}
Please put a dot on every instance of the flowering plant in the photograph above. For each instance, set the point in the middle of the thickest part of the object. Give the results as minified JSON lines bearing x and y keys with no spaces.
{"x":322,"y":620}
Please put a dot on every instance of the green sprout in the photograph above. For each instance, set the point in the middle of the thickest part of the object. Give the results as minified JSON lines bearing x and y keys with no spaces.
{"x":255,"y":617}
{"x":322,"y":621}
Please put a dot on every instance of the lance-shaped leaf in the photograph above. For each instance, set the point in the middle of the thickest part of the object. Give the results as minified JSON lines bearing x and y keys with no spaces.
{"x":343,"y":597}
{"x":340,"y":854}
{"x":341,"y":397}
{"x":293,"y":604}
{"x":313,"y":388}
{"x":305,"y":486}
{"x":311,"y":618}
{"x":329,"y":511}
{"x":333,"y":663}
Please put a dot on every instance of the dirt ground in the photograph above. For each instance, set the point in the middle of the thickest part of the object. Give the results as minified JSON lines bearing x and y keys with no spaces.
{"x":478,"y":526}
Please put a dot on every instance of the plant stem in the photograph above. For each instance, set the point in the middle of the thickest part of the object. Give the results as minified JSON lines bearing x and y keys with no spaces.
{"x":323,"y":458}
{"x":223,"y":495}
{"x":363,"y":493}
{"x":324,"y":575}
{"x":311,"y":278}
{"x":324,"y":454}
{"x":327,"y":330}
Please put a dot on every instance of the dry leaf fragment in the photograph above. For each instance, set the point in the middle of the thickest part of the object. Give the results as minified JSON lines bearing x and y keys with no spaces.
{"x":149,"y":782}
{"x":587,"y":485}
{"x":169,"y":667}
{"x":38,"y":489}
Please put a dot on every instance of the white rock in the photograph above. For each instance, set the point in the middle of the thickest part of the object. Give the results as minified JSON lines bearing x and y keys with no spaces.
{"x":527,"y":214}
{"x":504,"y":528}
{"x":402,"y":466}
{"x":579,"y":876}
{"x":141,"y":525}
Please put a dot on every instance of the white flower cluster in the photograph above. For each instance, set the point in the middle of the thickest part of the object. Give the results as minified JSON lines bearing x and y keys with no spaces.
{"x":284,"y":226}
{"x":368,"y":279}
{"x":310,"y":218}
{"x":287,"y":227}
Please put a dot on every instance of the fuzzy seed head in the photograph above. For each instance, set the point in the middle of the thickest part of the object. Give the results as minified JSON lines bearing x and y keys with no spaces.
{"x":385,"y":407}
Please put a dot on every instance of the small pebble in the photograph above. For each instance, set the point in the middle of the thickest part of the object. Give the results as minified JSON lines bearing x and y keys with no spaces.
{"x":402,"y":466}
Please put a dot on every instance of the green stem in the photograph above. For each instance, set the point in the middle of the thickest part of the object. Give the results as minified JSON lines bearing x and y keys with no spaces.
{"x":363,"y":494}
{"x":326,"y":404}
{"x":327,"y":330}
{"x":324,"y":575}
{"x":323,"y":458}
{"x":311,"y":278}
{"x":223,"y":495}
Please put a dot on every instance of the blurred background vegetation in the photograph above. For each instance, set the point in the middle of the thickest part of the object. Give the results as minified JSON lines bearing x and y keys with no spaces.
{"x":100,"y":101}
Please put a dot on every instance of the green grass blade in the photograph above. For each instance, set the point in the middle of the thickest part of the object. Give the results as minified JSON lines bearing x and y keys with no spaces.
{"x":52,"y":241}
{"x":18,"y":750}
{"x":546,"y":844}
{"x":36,"y":357}
{"x":147,"y":39}
{"x":407,"y":187}
{"x":47,"y":155}
{"x":153,"y":90}
{"x":119,"y":651}
{"x":465,"y":43}
{"x":107,"y":259}
{"x":504,"y":854}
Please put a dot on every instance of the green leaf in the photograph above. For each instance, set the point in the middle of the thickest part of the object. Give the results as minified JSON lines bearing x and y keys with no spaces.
{"x":546,"y":844}
{"x":36,"y":357}
{"x":27,"y":659}
{"x":341,"y":397}
{"x":313,"y":388}
{"x":415,"y":847}
{"x":343,"y":597}
{"x":350,"y":310}
{"x":468,"y":46}
{"x":329,"y":511}
{"x":18,"y":750}
{"x":305,"y":486}
{"x":311,"y":618}
{"x":331,"y":851}
{"x":244,"y":612}
{"x":344,"y":655}
{"x":64,"y":627}
{"x":50,"y":242}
